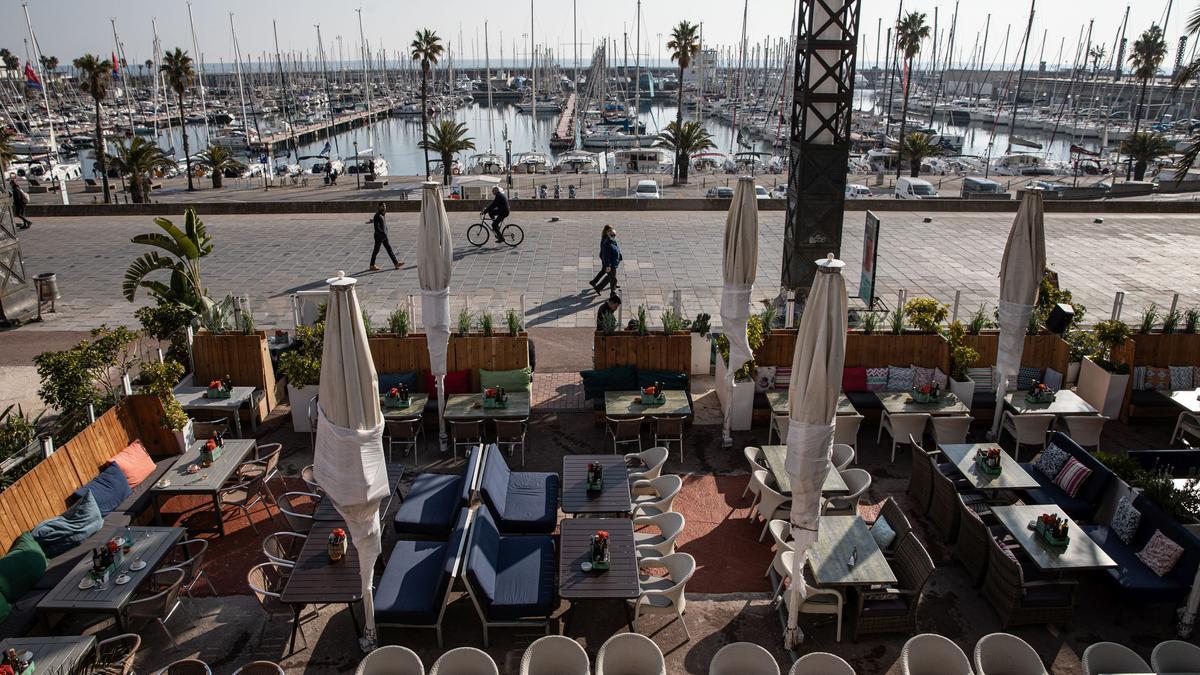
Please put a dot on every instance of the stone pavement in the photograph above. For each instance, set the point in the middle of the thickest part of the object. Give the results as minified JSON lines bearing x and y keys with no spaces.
{"x":271,"y":257}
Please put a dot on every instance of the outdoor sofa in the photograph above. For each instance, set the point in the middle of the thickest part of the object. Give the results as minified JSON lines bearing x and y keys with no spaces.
{"x":627,"y":378}
{"x":432,"y":504}
{"x":522,"y":502}
{"x":1082,"y":506}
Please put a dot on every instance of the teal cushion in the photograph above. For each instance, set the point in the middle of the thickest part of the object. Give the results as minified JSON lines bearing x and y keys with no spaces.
{"x":512,"y":380}
{"x":619,"y":378}
{"x":63,"y":533}
{"x":5,"y":608}
{"x":21,"y":567}
{"x":669,"y":379}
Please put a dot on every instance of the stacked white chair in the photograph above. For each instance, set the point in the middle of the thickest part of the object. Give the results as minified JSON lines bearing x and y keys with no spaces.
{"x":391,"y":660}
{"x":1005,"y":654}
{"x":743,"y":658}
{"x":821,"y":663}
{"x":630,"y":654}
{"x":931,"y":654}
{"x":555,"y":655}
{"x":652,"y":461}
{"x":660,"y":543}
{"x":465,"y":661}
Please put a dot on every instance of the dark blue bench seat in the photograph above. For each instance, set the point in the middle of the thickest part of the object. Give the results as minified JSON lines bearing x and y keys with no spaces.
{"x":431,"y":506}
{"x":512,"y":579}
{"x":1135,"y":582}
{"x":416,"y":583}
{"x":523,"y":502}
{"x":1081,"y":507}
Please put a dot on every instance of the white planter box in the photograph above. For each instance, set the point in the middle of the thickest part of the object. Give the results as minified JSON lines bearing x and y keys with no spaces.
{"x":185,"y":437}
{"x":299,"y":398}
{"x":1104,"y":390}
{"x":965,"y":390}
{"x":738,"y":400}
{"x":1072,"y":375}
{"x":701,"y":354}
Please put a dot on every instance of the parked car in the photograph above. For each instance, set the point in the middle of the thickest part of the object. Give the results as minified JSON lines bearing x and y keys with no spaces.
{"x":719,"y":192}
{"x":857,"y":191}
{"x":914,"y":188}
{"x":980,"y":186}
{"x":779,"y":191}
{"x":647,"y":189}
{"x":760,"y":192}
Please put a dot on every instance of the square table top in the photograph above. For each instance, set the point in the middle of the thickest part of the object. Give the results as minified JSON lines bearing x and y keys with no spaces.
{"x":1011,"y":476}
{"x":778,"y":398}
{"x":206,"y":480}
{"x":1188,"y":399}
{"x":776,"y":455}
{"x":415,"y":407}
{"x":622,"y":404}
{"x":470,"y":407}
{"x":899,"y":402}
{"x":614,"y":495}
{"x":193,"y":397}
{"x":53,"y":653}
{"x":1080,"y":554}
{"x":620,"y":580}
{"x":67,"y":595}
{"x":327,"y":512}
{"x":1065,"y":403}
{"x":838,"y":537}
{"x":316,"y":579}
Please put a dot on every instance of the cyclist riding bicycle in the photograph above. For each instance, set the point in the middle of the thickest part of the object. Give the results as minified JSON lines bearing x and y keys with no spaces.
{"x":498,"y":210}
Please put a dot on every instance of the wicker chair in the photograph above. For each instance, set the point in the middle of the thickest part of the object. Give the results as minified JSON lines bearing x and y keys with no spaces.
{"x":842,"y":456}
{"x":1021,"y":602}
{"x":920,"y":478}
{"x":159,"y":601}
{"x":1110,"y":657}
{"x":950,"y":429}
{"x":391,"y":660}
{"x":932,"y":654}
{"x":309,"y":475}
{"x":243,"y":497}
{"x":464,"y":661}
{"x":845,"y":429}
{"x":555,"y":655}
{"x":262,"y":668}
{"x":1027,"y":429}
{"x":265,"y":464}
{"x":913,"y":567}
{"x":943,"y":506}
{"x":902,"y":427}
{"x":1187,"y":423}
{"x":773,"y":504}
{"x":115,"y":655}
{"x":660,"y":543}
{"x":743,"y":658}
{"x":971,"y":548}
{"x":664,"y":595}
{"x":899,"y":522}
{"x":652,"y":497}
{"x":1175,"y":656}
{"x":267,"y":581}
{"x":205,"y":429}
{"x":816,"y":600}
{"x":821,"y":663}
{"x":858,"y":481}
{"x":406,"y":434}
{"x":1001,"y":653}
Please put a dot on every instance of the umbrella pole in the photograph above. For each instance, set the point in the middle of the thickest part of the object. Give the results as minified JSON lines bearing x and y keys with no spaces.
{"x":727,"y":416}
{"x":441,"y":393}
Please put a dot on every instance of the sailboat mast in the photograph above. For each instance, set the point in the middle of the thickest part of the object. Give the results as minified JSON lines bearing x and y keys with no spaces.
{"x":637,"y":75}
{"x":1012,"y":124}
{"x":199,"y":72}
{"x":37,"y":60}
{"x":737,"y":91}
{"x":328,"y":94}
{"x":533,"y":71}
{"x":700,"y":74}
{"x":119,"y":54}
{"x":154,"y":74}
{"x":366,"y":79}
{"x":237,"y":55}
{"x":283,"y":88}
{"x":487,"y":68}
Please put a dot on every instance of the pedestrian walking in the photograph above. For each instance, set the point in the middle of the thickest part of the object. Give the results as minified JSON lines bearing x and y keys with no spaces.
{"x":20,"y":199}
{"x":610,"y":260}
{"x":381,"y":237}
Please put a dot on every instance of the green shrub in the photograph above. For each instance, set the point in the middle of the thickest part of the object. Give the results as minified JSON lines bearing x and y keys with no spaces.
{"x":301,"y":364}
{"x":870,"y":321}
{"x":168,"y":322}
{"x":515,"y":322}
{"x":979,"y":321}
{"x":926,"y":314}
{"x":87,"y":374}
{"x":642,"y":321}
{"x":159,"y":379}
{"x":464,"y":322}
{"x":1171,"y":321}
{"x":1110,"y":336}
{"x":672,"y":322}
{"x":702,"y":324}
{"x":608,"y":323}
{"x":961,"y":356}
{"x":1149,"y":318}
{"x":400,"y":323}
{"x":1191,"y":320}
{"x":756,"y":335}
{"x":897,"y":318}
{"x":486,"y":323}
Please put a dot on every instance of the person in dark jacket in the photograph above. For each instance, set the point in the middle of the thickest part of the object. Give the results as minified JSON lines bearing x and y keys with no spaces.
{"x":610,"y":260}
{"x":381,"y":237}
{"x":19,"y":201}
{"x":608,"y":308}
{"x":497,"y":210}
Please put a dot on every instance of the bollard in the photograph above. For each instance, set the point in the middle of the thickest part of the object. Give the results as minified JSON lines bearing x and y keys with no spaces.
{"x":1118,"y":302}
{"x":957,"y":300}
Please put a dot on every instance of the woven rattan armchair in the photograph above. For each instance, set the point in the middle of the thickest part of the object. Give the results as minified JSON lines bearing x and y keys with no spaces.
{"x":920,"y":479}
{"x":115,"y":655}
{"x":1019,"y":601}
{"x":974,"y":537}
{"x":878,"y":611}
{"x":895,"y":517}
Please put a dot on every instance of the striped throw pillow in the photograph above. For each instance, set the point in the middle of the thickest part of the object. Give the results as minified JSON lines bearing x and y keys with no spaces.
{"x":877,"y":379}
{"x":983,"y":378}
{"x":1070,"y":478}
{"x":1139,"y":378}
{"x":783,"y":378}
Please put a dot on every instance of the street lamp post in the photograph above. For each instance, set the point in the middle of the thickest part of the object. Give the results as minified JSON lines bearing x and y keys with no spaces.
{"x":508,"y":161}
{"x":357,"y":168}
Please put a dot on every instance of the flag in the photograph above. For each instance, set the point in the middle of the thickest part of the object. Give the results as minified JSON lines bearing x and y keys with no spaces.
{"x":31,"y":78}
{"x":1076,"y":150}
{"x":116,"y":67}
{"x":325,"y":150}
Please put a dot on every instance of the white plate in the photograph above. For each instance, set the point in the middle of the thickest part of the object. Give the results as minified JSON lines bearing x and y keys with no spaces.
{"x":122,"y":580}
{"x":138,"y":565}
{"x":86,"y":583}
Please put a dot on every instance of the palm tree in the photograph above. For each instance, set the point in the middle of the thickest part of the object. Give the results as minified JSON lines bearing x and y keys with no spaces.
{"x":687,"y":140}
{"x":910,"y":32}
{"x":447,"y":139}
{"x":916,"y":147}
{"x":139,"y":160}
{"x":149,"y":66}
{"x":1148,"y":53}
{"x":1097,"y":53}
{"x":1145,"y":147}
{"x":684,"y":45}
{"x":94,"y":77}
{"x":217,"y":160}
{"x":11,"y":61}
{"x":187,"y":247}
{"x":177,"y":68}
{"x":49,"y":65}
{"x":426,"y":48}
{"x":6,"y":151}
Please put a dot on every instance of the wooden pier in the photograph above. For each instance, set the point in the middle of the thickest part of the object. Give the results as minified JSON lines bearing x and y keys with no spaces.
{"x":564,"y":133}
{"x":310,"y":132}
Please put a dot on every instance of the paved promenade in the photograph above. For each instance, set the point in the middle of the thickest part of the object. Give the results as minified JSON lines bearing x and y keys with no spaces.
{"x":270,"y":257}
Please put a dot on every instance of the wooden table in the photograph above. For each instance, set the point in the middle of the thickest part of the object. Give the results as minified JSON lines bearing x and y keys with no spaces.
{"x":613,"y":497}
{"x":53,"y":654}
{"x":325,"y":510}
{"x":838,"y":537}
{"x":776,"y":455}
{"x":1011,"y":476}
{"x":415,"y":407}
{"x":192,"y":398}
{"x":316,"y":580}
{"x":622,"y":404}
{"x":1188,"y":399}
{"x":464,"y":407}
{"x":1081,"y":554}
{"x":900,"y":402}
{"x":206,"y":481}
{"x":619,"y":582}
{"x":1065,"y":403}
{"x":150,"y":544}
{"x":778,"y":398}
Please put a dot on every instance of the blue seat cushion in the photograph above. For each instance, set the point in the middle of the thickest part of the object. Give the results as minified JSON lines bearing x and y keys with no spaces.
{"x":983,"y":398}
{"x":110,"y":489}
{"x":864,"y":400}
{"x":494,"y":484}
{"x":619,"y":378}
{"x":532,"y":503}
{"x":524,"y":579}
{"x":1049,"y":493}
{"x":430,"y":506}
{"x":669,"y":379}
{"x":1147,"y":398}
{"x":413,"y":583}
{"x":1134,"y":579}
{"x":62,"y":533}
{"x":389,"y":380}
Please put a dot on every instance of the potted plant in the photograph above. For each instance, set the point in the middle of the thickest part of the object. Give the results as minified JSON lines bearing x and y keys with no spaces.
{"x":1079,"y":345}
{"x":961,"y":358}
{"x":159,"y":380}
{"x":399,"y":323}
{"x":979,"y":321}
{"x":1102,"y":381}
{"x":701,"y":344}
{"x":301,"y":365}
{"x":926,"y":314}
{"x":514,"y":321}
{"x":740,"y":399}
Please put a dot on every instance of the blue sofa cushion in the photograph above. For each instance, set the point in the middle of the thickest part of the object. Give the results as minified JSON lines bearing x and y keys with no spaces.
{"x":619,"y":378}
{"x":1149,"y":398}
{"x":110,"y":489}
{"x":484,"y":557}
{"x":1049,"y":493}
{"x":669,"y":379}
{"x":524,"y":578}
{"x":412,"y":587}
{"x":523,"y":502}
{"x":430,"y":506}
{"x":864,"y":400}
{"x":62,"y":533}
{"x":389,"y":380}
{"x":1134,"y":579}
{"x":23,"y":617}
{"x":494,"y":484}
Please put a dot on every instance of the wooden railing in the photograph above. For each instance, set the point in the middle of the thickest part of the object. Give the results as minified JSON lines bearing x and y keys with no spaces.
{"x":392,"y":354}
{"x":1045,"y":350}
{"x":928,"y":351}
{"x":644,"y":352}
{"x":244,"y":358}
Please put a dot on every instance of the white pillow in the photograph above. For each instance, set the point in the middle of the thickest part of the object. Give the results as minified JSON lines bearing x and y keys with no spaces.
{"x":883,"y":534}
{"x":764,"y":379}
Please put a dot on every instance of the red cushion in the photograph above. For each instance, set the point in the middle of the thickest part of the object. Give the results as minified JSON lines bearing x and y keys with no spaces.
{"x":854,"y":379}
{"x":457,"y":382}
{"x":134,"y":462}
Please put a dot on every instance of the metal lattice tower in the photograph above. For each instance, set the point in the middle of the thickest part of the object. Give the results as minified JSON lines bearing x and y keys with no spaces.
{"x":17,"y":300}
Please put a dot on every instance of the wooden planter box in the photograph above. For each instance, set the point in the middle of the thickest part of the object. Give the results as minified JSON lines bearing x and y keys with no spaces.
{"x":1045,"y":350}
{"x":474,"y":352}
{"x":878,"y":349}
{"x":244,"y":358}
{"x":656,"y":351}
{"x":1159,"y":350}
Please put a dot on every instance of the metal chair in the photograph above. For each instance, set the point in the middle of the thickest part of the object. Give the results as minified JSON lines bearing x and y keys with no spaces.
{"x":391,"y":660}
{"x":265,"y":462}
{"x":1175,"y":656}
{"x":115,"y":655}
{"x":192,"y":552}
{"x":821,"y":663}
{"x":555,"y":655}
{"x":652,"y":462}
{"x":1025,"y":429}
{"x":243,"y":496}
{"x":465,"y":661}
{"x":466,"y":434}
{"x":931,"y":654}
{"x":901,"y":426}
{"x":665,"y":595}
{"x":627,"y":653}
{"x":266,"y":582}
{"x":658,"y":544}
{"x":283,"y":547}
{"x":406,"y":433}
{"x":950,"y":429}
{"x":1187,"y":423}
{"x":261,"y":668}
{"x":667,"y":430}
{"x":510,"y":434}
{"x":297,"y":520}
{"x":652,"y":497}
{"x":161,"y":601}
{"x":1110,"y":657}
{"x":309,"y":475}
{"x":186,"y":667}
{"x":625,"y":431}
{"x":1000,"y":653}
{"x":816,"y":600}
{"x":1085,"y":429}
{"x":743,"y":658}
{"x":842,"y":457}
{"x":858,"y":481}
{"x":845,"y":429}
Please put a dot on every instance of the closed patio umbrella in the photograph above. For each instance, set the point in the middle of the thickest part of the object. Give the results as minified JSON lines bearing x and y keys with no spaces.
{"x":348,"y":461}
{"x":435,"y":252}
{"x":740,"y":268}
{"x":1020,"y":276}
{"x":812,"y":404}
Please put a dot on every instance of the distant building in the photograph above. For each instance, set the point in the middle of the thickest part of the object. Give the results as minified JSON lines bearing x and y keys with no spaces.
{"x":705,"y":61}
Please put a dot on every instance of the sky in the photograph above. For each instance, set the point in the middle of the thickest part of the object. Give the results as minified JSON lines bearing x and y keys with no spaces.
{"x":68,"y":28}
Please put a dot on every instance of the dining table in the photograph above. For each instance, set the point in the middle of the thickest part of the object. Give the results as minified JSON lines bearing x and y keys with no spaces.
{"x":317,"y":580}
{"x":613,"y":497}
{"x":778,"y":400}
{"x":53,"y":654}
{"x":1188,"y":399}
{"x":196,"y":399}
{"x":901,"y":402}
{"x":776,"y":455}
{"x":1080,"y":554}
{"x":618,"y":583}
{"x":188,"y":476}
{"x":467,"y":407}
{"x":829,"y":557}
{"x":414,"y":408}
{"x":1065,"y":403}
{"x":618,"y":404}
{"x":1011,"y":477}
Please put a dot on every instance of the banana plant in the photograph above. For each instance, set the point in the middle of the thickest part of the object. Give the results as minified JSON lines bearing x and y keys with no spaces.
{"x":185,"y":248}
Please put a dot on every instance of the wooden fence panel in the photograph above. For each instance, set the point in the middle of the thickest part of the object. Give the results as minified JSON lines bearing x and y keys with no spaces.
{"x":1045,"y":350}
{"x":644,"y":352}
{"x":392,"y":354}
{"x":244,"y":358}
{"x":474,"y":353}
{"x":1166,"y":349}
{"x":145,"y":416}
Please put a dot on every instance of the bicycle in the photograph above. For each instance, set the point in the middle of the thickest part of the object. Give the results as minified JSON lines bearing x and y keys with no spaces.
{"x":479,"y":233}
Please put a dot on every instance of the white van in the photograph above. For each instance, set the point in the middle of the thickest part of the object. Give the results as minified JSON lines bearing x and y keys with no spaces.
{"x":647,"y":189}
{"x":914,"y":188}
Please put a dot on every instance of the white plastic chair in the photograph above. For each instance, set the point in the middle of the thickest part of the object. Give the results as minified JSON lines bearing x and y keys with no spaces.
{"x":859,"y":481}
{"x":901,"y":426}
{"x":657,"y":544}
{"x":391,"y":660}
{"x":755,"y":460}
{"x":1188,"y":423}
{"x":465,"y":661}
{"x":771,"y":504}
{"x":1175,"y":656}
{"x":630,"y":654}
{"x":665,"y":595}
{"x":653,"y":460}
{"x":842,"y":456}
{"x":821,"y":663}
{"x":778,"y":428}
{"x":1025,"y":429}
{"x":1005,"y":654}
{"x":1110,"y":657}
{"x":816,"y":600}
{"x":781,"y":532}
{"x":743,"y":658}
{"x":845,"y":429}
{"x":950,"y":429}
{"x":1085,"y":429}
{"x":931,"y":654}
{"x":555,"y":655}
{"x":652,"y":497}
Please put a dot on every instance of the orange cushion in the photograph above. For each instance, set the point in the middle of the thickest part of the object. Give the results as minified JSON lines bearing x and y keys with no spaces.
{"x":134,"y":462}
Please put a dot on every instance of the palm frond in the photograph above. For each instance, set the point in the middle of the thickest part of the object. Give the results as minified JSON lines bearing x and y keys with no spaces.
{"x":189,"y":247}
{"x":142,"y":266}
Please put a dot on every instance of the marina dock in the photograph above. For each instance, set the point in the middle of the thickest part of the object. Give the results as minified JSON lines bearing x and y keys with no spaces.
{"x":310,"y":132}
{"x":564,"y":132}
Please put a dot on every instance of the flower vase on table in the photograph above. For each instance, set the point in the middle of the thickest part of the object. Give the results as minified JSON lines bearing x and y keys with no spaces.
{"x":1053,"y":529}
{"x":1039,"y":393}
{"x":600,"y":557}
{"x":211,"y":451}
{"x":595,"y":477}
{"x":928,"y":393}
{"x":17,"y":663}
{"x":653,"y":395}
{"x":397,"y":397}
{"x":219,"y":388}
{"x":337,"y":544}
{"x":495,"y":397}
{"x":988,"y":461}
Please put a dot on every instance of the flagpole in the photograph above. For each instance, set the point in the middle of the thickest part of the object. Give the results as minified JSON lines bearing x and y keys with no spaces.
{"x":37,"y":59}
{"x":118,"y":57}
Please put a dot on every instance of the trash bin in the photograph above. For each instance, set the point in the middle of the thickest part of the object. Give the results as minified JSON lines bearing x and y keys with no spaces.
{"x":47,"y":286}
